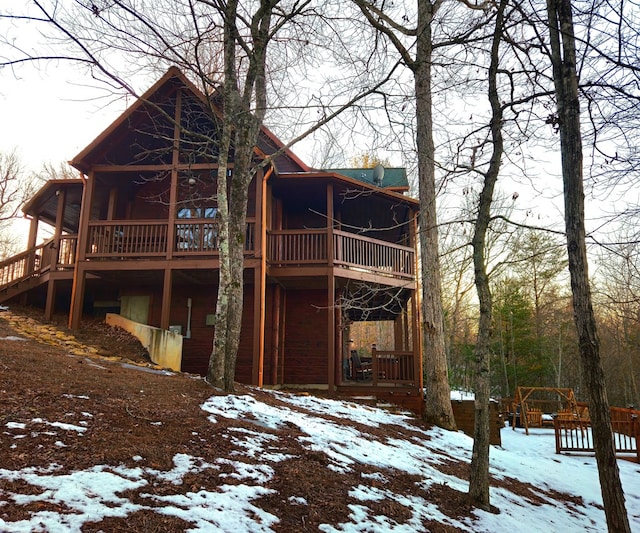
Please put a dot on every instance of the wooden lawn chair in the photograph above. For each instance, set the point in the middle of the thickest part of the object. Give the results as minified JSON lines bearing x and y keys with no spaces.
{"x":360,"y":369}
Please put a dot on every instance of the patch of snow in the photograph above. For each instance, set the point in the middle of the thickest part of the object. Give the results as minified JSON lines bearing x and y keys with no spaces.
{"x":228,"y":510}
{"x":93,"y":364}
{"x":89,"y":495}
{"x":183,"y":464}
{"x":67,"y":427}
{"x":258,"y":473}
{"x":147,"y":369}
{"x":460,"y":395}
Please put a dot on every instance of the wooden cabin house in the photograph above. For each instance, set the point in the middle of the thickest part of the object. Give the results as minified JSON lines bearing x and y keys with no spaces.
{"x":136,"y":234}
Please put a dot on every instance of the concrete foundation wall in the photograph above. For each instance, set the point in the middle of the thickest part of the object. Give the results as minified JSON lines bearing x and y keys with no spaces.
{"x":164,"y":347}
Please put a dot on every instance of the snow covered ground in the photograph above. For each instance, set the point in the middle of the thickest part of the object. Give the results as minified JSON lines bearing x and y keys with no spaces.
{"x":99,"y":492}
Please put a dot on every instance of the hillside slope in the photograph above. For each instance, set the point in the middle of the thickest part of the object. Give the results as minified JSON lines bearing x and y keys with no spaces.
{"x":92,"y":443}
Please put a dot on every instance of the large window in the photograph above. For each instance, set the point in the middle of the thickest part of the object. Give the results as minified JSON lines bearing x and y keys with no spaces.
{"x":197,"y":212}
{"x":199,"y":235}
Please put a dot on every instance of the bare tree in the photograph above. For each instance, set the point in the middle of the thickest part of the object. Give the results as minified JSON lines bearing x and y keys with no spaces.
{"x":244,"y":108}
{"x":15,"y":185}
{"x":415,"y":46}
{"x":459,"y":311}
{"x":565,"y":77}
{"x":61,"y":171}
{"x":617,"y":304}
{"x":15,"y":188}
{"x":479,"y":477}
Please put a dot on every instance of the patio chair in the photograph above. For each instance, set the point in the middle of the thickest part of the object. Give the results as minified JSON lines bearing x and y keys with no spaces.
{"x":360,"y":369}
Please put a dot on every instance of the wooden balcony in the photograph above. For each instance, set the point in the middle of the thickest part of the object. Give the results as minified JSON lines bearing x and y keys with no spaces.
{"x":140,"y":239}
{"x":199,"y":237}
{"x":122,"y":240}
{"x":387,"y":375}
{"x":310,"y":247}
{"x":126,"y":239}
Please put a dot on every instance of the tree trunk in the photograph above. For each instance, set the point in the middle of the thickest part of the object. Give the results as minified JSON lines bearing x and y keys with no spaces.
{"x":243,"y":114}
{"x":238,"y":198}
{"x":563,"y":57}
{"x":438,"y":409}
{"x":479,"y":476}
{"x":216,"y":368}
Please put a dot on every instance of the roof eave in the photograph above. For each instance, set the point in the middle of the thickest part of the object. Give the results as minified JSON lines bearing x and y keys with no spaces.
{"x":345,"y":179}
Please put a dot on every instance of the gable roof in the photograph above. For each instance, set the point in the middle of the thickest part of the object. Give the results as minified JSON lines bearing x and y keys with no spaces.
{"x":170,"y":82}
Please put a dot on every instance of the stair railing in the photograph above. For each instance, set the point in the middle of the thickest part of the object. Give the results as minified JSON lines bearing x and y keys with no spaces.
{"x":26,"y":265}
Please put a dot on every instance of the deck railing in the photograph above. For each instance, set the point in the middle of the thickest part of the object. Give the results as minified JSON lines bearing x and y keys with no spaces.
{"x":39,"y":259}
{"x":391,"y":366}
{"x":67,"y":251}
{"x":200,"y":236}
{"x":297,"y":247}
{"x":356,"y":251}
{"x":148,"y":239}
{"x":307,"y":247}
{"x":107,"y":239}
{"x":21,"y":266}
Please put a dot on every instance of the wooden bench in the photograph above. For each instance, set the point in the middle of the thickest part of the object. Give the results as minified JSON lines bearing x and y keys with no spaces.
{"x":566,"y":414}
{"x":534,"y":417}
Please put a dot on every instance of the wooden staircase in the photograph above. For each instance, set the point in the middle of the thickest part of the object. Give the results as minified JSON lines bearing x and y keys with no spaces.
{"x":29,"y":269}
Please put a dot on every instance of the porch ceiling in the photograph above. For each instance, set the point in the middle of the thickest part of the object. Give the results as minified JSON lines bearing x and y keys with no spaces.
{"x":44,"y":204}
{"x":155,"y":277}
{"x":360,"y":301}
{"x":140,"y":278}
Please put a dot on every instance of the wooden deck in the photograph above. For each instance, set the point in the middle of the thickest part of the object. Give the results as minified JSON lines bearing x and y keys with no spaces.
{"x":149,"y":239}
{"x":299,"y":248}
{"x":385,"y":367}
{"x":122,"y":240}
{"x":575,"y":435}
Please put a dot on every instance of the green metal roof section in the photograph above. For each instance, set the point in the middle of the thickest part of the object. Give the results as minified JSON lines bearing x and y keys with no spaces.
{"x":393,"y":177}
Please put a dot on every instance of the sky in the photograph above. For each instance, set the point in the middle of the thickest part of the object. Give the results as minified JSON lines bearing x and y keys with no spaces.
{"x":100,"y":491}
{"x":50,"y":115}
{"x":49,"y":119}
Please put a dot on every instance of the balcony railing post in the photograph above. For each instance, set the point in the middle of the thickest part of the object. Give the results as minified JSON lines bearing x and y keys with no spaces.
{"x":374,"y":364}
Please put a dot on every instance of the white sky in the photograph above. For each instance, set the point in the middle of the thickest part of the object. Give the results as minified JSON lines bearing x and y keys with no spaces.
{"x":98,"y":492}
{"x":49,"y":119}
